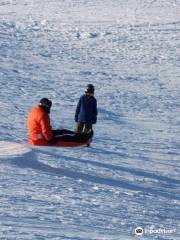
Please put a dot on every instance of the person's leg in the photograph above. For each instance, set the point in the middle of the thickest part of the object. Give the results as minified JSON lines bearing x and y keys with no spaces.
{"x":76,"y":137}
{"x":79,"y":127}
{"x":61,"y":132}
{"x":88,"y":127}
{"x":63,"y":137}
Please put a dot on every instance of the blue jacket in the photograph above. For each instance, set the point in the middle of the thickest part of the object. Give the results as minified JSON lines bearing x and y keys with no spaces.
{"x":86,"y":110}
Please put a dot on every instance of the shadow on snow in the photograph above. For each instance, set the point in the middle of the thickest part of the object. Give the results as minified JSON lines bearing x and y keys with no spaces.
{"x":29,"y":160}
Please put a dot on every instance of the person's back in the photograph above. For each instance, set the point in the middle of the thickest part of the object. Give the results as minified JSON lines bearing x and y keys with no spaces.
{"x":38,"y":124}
{"x":86,"y":110}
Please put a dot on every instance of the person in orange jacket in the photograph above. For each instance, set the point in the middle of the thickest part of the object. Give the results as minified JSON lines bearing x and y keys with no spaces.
{"x":39,"y":126}
{"x":38,"y":123}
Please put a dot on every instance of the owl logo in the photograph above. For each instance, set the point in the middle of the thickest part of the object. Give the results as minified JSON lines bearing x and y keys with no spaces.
{"x":139,"y":231}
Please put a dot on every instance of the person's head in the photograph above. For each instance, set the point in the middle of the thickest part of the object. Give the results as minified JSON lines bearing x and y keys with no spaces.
{"x":45,"y":104}
{"x":90,"y":89}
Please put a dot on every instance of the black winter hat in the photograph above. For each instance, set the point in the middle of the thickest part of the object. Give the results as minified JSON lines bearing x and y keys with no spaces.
{"x":89,"y":88}
{"x":45,"y":103}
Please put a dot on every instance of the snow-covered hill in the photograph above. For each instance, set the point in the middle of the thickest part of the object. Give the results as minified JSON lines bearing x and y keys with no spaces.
{"x":129,"y":177}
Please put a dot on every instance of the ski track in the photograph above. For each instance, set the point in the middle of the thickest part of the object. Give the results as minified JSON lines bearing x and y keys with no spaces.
{"x":129,"y":177}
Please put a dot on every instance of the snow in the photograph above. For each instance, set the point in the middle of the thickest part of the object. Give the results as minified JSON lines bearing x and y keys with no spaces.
{"x":10,"y":149}
{"x":129,"y":177}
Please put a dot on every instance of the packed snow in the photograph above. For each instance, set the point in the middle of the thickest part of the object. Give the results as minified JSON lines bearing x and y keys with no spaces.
{"x":129,"y":177}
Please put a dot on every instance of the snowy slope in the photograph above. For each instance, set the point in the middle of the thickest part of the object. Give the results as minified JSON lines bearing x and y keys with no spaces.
{"x":130,"y":176}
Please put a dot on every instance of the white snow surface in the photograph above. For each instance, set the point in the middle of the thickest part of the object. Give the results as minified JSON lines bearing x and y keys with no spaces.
{"x":10,"y":149}
{"x":129,"y":177}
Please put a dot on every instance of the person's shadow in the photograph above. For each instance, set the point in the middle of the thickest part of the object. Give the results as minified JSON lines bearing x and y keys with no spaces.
{"x":29,"y":160}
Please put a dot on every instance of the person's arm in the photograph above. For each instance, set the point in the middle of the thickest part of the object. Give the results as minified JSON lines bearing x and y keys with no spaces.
{"x":77,"y":110}
{"x":46,"y":128}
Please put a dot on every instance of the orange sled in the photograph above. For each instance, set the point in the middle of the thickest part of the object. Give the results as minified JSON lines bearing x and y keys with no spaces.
{"x":66,"y":140}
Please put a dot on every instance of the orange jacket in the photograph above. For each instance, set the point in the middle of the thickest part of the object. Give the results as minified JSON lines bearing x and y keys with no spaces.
{"x":38,"y":124}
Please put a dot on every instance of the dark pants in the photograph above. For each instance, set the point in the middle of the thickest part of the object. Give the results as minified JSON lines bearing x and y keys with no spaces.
{"x":61,"y":132}
{"x":83,"y":127}
{"x":68,"y":135}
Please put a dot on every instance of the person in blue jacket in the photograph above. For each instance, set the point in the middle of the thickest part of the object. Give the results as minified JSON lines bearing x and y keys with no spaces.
{"x":86,"y":110}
